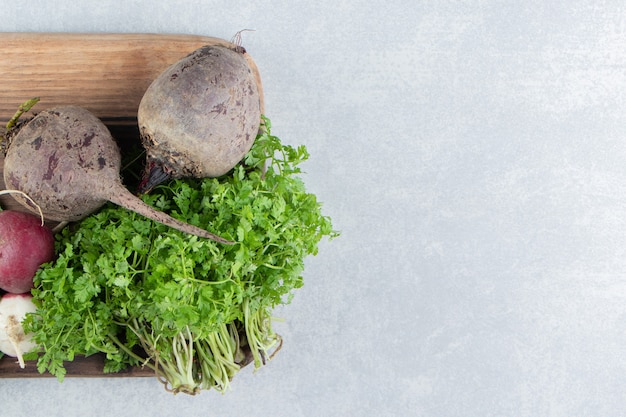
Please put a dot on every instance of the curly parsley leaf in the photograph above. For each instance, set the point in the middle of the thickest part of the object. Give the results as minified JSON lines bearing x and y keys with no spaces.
{"x":144,"y":293}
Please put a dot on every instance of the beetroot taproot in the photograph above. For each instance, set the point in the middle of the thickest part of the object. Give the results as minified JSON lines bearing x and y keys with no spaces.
{"x":66,"y":160}
{"x":200,"y":117}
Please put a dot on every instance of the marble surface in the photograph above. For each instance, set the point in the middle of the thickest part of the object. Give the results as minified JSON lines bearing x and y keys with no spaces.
{"x":472,"y":154}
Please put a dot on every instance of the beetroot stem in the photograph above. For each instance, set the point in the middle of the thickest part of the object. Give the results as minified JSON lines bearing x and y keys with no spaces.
{"x":23,"y":108}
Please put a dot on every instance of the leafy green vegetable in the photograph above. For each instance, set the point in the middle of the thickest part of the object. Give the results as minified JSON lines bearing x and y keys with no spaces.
{"x":191,"y":309}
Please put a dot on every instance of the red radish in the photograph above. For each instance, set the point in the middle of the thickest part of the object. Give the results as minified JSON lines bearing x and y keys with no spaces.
{"x":13,"y":341}
{"x":25,"y":244}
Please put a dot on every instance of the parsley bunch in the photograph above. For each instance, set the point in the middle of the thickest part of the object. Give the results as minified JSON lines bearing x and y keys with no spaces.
{"x":192,"y":309}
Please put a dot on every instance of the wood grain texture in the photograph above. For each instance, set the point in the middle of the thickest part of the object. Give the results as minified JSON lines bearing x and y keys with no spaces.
{"x":105,"y":73}
{"x":84,"y":367}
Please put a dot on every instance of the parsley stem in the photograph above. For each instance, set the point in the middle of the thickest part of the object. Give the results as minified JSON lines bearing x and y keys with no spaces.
{"x":130,"y":353}
{"x":199,"y":311}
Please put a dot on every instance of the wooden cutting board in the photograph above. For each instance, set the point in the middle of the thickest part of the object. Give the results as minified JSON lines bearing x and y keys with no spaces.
{"x":105,"y":73}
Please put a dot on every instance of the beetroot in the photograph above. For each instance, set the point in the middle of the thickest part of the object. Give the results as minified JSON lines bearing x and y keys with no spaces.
{"x":200,"y":117}
{"x":66,"y":161}
{"x":24,"y":245}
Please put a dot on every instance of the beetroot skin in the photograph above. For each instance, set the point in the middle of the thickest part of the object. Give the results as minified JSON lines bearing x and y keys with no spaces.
{"x":66,"y":160}
{"x":24,"y":245}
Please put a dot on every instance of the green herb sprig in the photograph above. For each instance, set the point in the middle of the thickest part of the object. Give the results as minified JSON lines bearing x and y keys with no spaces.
{"x":191,"y":309}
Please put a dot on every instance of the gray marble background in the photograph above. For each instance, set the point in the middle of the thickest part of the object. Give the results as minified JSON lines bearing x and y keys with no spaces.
{"x":472,"y":154}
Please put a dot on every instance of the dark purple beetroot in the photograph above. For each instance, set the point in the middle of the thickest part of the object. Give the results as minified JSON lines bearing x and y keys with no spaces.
{"x":200,"y":117}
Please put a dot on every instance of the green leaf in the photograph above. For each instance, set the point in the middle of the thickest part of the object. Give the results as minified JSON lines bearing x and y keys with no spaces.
{"x":134,"y":289}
